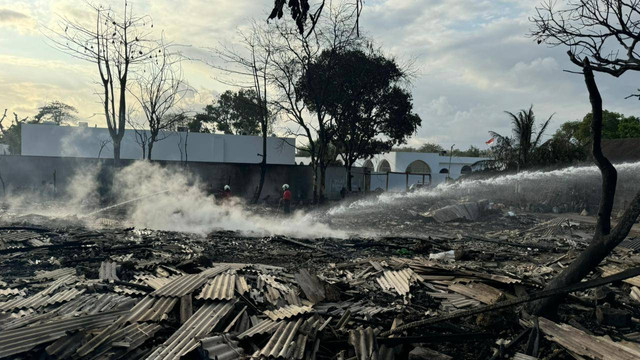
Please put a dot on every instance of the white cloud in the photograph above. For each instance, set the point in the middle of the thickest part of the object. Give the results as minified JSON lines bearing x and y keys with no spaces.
{"x":473,"y":57}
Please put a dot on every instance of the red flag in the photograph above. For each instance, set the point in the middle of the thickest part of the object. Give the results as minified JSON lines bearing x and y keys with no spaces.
{"x":490,"y":141}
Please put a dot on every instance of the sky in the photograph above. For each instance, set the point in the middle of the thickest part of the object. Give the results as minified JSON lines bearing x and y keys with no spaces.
{"x":472,"y":58}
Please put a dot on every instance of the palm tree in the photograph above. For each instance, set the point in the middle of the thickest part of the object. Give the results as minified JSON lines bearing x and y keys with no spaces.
{"x":526,"y":138}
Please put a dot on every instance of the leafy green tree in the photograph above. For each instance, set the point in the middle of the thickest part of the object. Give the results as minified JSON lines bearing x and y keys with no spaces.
{"x":629,"y":127}
{"x":56,"y":111}
{"x":234,"y":113}
{"x":526,"y":138}
{"x":12,"y":134}
{"x":370,"y":114}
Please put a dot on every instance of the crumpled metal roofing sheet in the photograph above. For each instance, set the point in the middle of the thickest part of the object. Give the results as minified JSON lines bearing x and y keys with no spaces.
{"x":200,"y":323}
{"x":187,"y":284}
{"x":12,"y":292}
{"x":40,"y":299}
{"x":400,"y":281}
{"x":133,"y":336}
{"x":265,"y":326}
{"x":364,"y":343}
{"x":55,"y":274}
{"x":94,"y":304}
{"x":151,"y":309}
{"x":290,"y":339}
{"x":219,"y":288}
{"x":222,"y":348}
{"x":20,"y":340}
{"x":108,"y":271}
{"x":153,"y":281}
{"x":287,"y":312}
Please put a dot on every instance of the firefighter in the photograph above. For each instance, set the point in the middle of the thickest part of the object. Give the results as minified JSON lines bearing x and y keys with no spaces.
{"x":286,"y":198}
{"x":226,"y":195}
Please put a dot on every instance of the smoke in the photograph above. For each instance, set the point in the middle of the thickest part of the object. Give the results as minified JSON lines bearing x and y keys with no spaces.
{"x":161,"y":198}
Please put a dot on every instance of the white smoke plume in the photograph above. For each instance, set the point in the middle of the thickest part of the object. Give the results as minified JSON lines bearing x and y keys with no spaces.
{"x":178,"y":202}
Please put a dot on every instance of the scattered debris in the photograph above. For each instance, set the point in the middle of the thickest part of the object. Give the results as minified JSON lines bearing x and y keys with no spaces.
{"x":455,"y":293}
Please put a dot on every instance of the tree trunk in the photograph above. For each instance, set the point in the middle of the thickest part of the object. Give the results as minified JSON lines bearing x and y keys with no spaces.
{"x":150,"y":148}
{"x":116,"y":151}
{"x":263,"y":164}
{"x":321,"y":190}
{"x":604,"y":240}
{"x":349,"y":167}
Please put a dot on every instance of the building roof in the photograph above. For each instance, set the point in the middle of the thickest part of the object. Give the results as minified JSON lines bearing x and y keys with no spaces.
{"x":621,"y":150}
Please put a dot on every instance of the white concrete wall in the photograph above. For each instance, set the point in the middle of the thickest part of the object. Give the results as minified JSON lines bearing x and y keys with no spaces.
{"x":399,"y":162}
{"x":68,"y":141}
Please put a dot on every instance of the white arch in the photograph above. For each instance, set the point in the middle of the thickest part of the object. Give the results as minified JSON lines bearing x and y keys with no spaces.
{"x":418,"y":167}
{"x":368,"y":165}
{"x":384,"y":166}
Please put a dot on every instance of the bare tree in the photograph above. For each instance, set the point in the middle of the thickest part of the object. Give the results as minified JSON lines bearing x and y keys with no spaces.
{"x":250,"y":67}
{"x":602,"y":36}
{"x":160,"y":88}
{"x":116,"y":42}
{"x":294,"y":55}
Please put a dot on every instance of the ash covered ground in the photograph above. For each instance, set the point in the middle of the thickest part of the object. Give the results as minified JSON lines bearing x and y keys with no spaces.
{"x":418,"y":275}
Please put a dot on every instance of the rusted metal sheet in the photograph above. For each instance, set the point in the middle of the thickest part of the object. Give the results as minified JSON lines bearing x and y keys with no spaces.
{"x":221,"y":348}
{"x":200,"y":323}
{"x":364,"y":343}
{"x":290,"y":339}
{"x":108,"y":271}
{"x":221,"y":287}
{"x":287,"y":312}
{"x":151,"y":309}
{"x":187,"y":284}
{"x":264,"y":327}
{"x":20,"y":340}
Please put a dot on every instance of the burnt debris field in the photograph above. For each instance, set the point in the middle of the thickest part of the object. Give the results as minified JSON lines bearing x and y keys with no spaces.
{"x":453,"y":282}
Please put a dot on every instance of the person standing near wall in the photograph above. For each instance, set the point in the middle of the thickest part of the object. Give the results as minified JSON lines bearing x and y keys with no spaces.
{"x":286,"y":199}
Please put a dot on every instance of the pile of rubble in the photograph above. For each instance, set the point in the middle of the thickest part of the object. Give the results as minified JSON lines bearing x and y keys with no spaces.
{"x":70,"y":292}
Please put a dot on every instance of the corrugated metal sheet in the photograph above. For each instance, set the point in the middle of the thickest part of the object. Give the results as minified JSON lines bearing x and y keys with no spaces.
{"x":221,"y":348}
{"x":95,"y":304}
{"x":364,"y":343}
{"x":264,"y":327}
{"x":241,"y":285}
{"x":152,"y":309}
{"x":187,"y":284}
{"x":633,"y":244}
{"x":128,"y":338}
{"x":290,"y":339}
{"x":23,"y":339}
{"x":219,"y":288}
{"x":40,"y":299}
{"x":153,"y":281}
{"x":108,"y":271}
{"x":55,"y":274}
{"x":287,"y":312}
{"x":12,"y":292}
{"x":200,"y":323}
{"x":521,"y":356}
{"x":400,"y":281}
